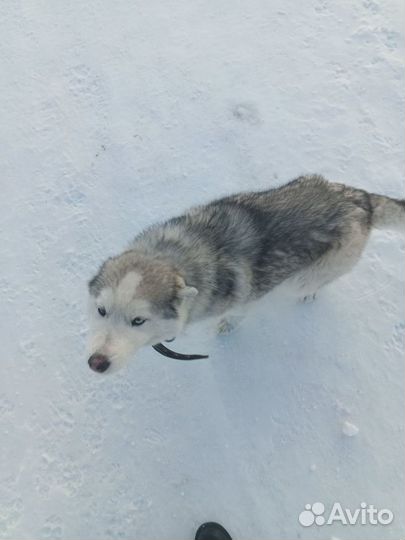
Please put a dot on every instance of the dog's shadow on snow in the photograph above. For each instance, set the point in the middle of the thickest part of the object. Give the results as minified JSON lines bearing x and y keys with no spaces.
{"x":276,"y":366}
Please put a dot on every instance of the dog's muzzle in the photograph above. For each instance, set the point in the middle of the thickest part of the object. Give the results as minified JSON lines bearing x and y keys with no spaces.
{"x":99,"y":363}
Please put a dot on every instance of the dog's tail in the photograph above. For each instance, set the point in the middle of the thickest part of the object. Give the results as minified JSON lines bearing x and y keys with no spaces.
{"x":388,"y":213}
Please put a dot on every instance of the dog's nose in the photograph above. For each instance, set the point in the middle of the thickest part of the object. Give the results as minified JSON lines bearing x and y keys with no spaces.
{"x":99,"y":363}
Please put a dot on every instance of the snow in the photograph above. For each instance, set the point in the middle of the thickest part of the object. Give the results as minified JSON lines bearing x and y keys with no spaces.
{"x":349,"y":429}
{"x":116,"y":115}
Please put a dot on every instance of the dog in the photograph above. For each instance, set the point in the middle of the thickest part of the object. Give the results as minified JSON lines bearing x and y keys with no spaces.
{"x":225,"y":254}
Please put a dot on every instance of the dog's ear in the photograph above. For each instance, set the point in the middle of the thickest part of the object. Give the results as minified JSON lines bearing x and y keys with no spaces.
{"x":94,"y":285}
{"x":184,"y":290}
{"x":97,"y":282}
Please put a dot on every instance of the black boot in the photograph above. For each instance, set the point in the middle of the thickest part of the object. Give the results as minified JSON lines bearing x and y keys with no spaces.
{"x":212,"y":531}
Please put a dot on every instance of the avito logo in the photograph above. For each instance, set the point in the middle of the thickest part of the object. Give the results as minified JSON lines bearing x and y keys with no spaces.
{"x":367,"y":514}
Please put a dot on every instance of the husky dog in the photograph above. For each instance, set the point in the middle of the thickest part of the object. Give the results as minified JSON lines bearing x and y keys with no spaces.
{"x":227,"y":253}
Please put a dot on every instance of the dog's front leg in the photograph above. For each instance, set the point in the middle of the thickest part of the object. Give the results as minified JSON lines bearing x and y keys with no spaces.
{"x":229,"y":323}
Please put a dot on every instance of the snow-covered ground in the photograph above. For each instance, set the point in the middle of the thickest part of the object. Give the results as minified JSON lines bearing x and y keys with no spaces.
{"x":116,"y":114}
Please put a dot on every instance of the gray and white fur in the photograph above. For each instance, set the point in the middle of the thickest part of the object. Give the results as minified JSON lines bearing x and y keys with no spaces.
{"x":227,"y":253}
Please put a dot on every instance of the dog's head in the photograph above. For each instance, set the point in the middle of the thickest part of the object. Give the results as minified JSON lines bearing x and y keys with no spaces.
{"x":135,"y":300}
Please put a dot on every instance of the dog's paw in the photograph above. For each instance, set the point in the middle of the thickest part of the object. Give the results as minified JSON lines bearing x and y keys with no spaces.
{"x":227,"y":325}
{"x":308,"y":299}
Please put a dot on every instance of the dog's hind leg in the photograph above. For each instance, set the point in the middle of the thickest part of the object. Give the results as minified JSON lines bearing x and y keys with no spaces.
{"x":334,"y":264}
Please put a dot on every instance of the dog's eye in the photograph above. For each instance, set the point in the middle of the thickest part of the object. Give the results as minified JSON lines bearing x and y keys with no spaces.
{"x":102,"y":311}
{"x":137,"y":321}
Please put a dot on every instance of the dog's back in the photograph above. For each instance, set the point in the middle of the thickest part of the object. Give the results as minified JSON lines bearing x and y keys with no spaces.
{"x":241,"y":246}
